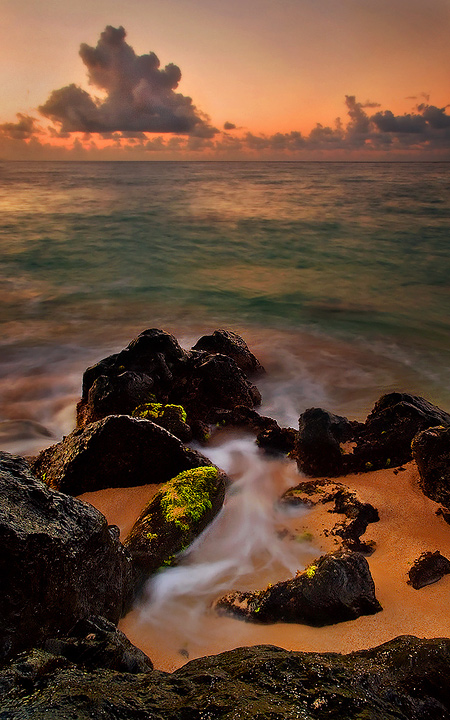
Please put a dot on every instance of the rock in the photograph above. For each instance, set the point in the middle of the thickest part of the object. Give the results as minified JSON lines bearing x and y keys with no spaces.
{"x":317,"y":448}
{"x":118,"y":451}
{"x":431,"y":451}
{"x":335,"y":588}
{"x":210,"y":382}
{"x":170,"y":417}
{"x":118,"y":395}
{"x":243,"y":417}
{"x":95,"y":642}
{"x":177,"y":514}
{"x":154,"y":368}
{"x":399,"y":680}
{"x":226,"y":342}
{"x":428,"y":569}
{"x":277,"y":441}
{"x":60,"y":561}
{"x":360,"y":515}
{"x":385,"y":439}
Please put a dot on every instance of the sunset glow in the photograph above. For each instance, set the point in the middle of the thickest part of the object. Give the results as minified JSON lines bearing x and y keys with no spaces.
{"x":252,"y":80}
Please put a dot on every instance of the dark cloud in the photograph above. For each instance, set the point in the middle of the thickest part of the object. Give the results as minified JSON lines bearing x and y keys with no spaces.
{"x":24,"y":129}
{"x":140,"y":97}
{"x":229,"y":126}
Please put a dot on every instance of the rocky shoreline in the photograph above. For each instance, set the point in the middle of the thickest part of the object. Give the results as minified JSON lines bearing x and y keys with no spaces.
{"x":68,"y":579}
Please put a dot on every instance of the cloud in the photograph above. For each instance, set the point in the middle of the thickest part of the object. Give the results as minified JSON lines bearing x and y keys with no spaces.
{"x":139,"y":95}
{"x":229,"y":126}
{"x":24,"y":129}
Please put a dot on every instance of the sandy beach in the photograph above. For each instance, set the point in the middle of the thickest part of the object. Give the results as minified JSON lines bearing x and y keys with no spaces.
{"x":408,"y":526}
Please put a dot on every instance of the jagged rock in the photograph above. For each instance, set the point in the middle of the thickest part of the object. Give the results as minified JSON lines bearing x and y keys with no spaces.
{"x":118,"y":451}
{"x":431,"y":451}
{"x":226,"y":342}
{"x":176,"y":515}
{"x":428,"y":569}
{"x":335,"y":588}
{"x":213,"y":381}
{"x":94,"y":642}
{"x":154,"y":368}
{"x":120,"y":382}
{"x":243,"y":417}
{"x":60,"y":560}
{"x":360,"y":515}
{"x":317,"y":448}
{"x":403,"y":679}
{"x":385,"y":439}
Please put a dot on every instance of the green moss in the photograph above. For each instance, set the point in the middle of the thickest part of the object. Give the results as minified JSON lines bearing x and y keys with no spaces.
{"x":311,"y":571}
{"x":186,"y":498}
{"x":304,"y":537}
{"x":368,"y":466}
{"x":388,"y":462}
{"x":156,"y":411}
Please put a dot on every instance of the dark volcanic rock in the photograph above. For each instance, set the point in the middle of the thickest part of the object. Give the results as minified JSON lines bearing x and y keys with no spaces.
{"x":154,"y":368}
{"x":428,"y":569}
{"x":336,"y":588}
{"x":177,"y":514}
{"x":226,"y":342}
{"x":385,"y":440}
{"x":210,"y":382}
{"x":60,"y":560}
{"x":403,"y":679}
{"x":360,"y":515}
{"x":118,"y":451}
{"x":431,"y":451}
{"x":120,"y":382}
{"x":318,"y":448}
{"x":95,"y":642}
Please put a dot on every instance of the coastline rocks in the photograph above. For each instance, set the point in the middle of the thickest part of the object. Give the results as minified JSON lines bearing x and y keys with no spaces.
{"x":176,"y":515}
{"x":154,"y":368}
{"x":428,"y":569}
{"x":318,"y":443}
{"x":399,"y":680}
{"x":118,"y":451}
{"x":226,"y":342}
{"x":431,"y":451}
{"x":335,"y":588}
{"x":94,"y":642}
{"x":331,"y":445}
{"x":60,"y":561}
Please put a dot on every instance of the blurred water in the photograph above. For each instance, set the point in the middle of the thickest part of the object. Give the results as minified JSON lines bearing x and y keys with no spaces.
{"x":337,"y":274}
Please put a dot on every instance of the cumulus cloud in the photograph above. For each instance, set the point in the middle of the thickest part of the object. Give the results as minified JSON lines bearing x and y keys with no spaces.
{"x":229,"y":126}
{"x":24,"y":129}
{"x":139,"y":96}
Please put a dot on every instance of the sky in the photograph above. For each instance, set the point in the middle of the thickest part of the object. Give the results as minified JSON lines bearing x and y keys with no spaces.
{"x":234,"y":80}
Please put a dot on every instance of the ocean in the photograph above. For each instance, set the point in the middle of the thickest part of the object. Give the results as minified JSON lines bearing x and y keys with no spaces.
{"x":336,"y":274}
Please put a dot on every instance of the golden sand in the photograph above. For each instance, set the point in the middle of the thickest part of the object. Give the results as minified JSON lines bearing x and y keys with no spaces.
{"x":407,"y":527}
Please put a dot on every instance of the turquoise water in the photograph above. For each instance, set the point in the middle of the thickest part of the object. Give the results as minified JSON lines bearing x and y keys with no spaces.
{"x":337,"y":274}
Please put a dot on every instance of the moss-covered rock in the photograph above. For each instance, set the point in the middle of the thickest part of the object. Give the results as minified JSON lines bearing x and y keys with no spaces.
{"x":169,"y":416}
{"x":177,"y":514}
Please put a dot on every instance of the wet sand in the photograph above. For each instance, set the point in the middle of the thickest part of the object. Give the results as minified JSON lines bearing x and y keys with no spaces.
{"x":408,"y":526}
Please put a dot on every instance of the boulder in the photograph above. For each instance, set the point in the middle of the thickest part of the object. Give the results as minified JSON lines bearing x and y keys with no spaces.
{"x":385,"y":439}
{"x":118,"y":451}
{"x":428,"y":569}
{"x":154,"y":368}
{"x":60,"y":561}
{"x":177,"y":514}
{"x":403,"y":679}
{"x":431,"y":451}
{"x":210,"y":382}
{"x":226,"y":342}
{"x":318,"y":442}
{"x":94,"y":642}
{"x":335,"y":588}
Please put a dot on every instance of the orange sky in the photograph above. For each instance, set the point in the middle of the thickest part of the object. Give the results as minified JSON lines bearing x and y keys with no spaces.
{"x":267,"y":66}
